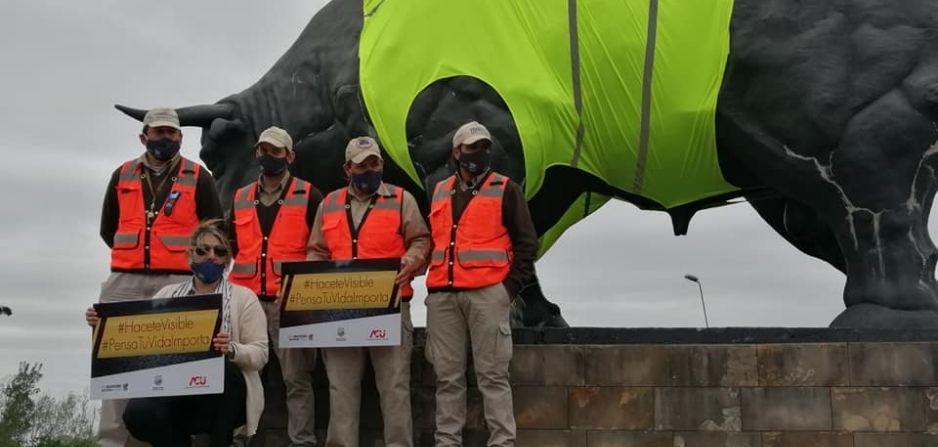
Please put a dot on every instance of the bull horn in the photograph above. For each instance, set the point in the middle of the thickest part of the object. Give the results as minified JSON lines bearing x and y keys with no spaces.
{"x":201,"y":115}
{"x":136,"y":114}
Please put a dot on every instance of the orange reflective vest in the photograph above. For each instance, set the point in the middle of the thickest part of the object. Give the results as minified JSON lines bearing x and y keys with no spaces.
{"x":379,"y":234}
{"x":154,"y":243}
{"x":476,"y":251}
{"x":257,"y":265}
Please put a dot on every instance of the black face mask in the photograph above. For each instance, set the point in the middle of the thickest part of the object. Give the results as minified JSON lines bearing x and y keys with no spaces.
{"x":163,"y":150}
{"x":271,"y":165}
{"x":477,"y":162}
{"x":367,"y":182}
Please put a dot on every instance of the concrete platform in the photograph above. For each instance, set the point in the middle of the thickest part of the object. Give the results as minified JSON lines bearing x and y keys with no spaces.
{"x":740,"y":387}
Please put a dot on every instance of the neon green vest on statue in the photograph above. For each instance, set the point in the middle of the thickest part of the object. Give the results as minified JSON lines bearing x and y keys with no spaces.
{"x":625,"y":90}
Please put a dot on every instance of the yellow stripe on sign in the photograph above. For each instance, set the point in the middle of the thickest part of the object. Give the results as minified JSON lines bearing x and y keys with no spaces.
{"x":163,"y":333}
{"x":340,"y":291}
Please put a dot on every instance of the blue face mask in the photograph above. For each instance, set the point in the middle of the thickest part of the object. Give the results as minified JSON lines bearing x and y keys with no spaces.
{"x":368,"y":181}
{"x":207,"y":271}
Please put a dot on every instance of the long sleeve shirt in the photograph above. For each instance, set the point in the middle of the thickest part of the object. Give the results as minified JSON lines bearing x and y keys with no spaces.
{"x":206,"y":197}
{"x":517,"y":220}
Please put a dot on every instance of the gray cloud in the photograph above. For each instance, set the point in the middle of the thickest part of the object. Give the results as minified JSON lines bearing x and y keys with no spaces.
{"x":66,"y":63}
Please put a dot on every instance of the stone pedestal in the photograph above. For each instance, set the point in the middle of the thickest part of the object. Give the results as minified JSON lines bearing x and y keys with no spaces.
{"x":686,"y":388}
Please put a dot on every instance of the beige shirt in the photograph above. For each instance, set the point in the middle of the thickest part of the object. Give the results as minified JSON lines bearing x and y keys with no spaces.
{"x":145,"y":161}
{"x":249,"y":339}
{"x":415,"y":231}
{"x":268,"y":196}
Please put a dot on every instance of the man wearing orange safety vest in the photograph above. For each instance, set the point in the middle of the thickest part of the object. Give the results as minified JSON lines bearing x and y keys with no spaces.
{"x":371,"y":219}
{"x":484,"y":246}
{"x":270,"y":223}
{"x":152,"y":205}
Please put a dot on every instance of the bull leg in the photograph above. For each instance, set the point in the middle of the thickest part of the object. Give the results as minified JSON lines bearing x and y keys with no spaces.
{"x":802,"y":227}
{"x":874,"y":191}
{"x":534,"y":310}
{"x":891,"y":257}
{"x":884,"y":174}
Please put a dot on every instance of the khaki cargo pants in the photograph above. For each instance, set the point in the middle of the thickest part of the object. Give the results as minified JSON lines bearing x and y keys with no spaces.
{"x":345,"y":367}
{"x":296,"y":366}
{"x":122,"y":286}
{"x":478,"y":318}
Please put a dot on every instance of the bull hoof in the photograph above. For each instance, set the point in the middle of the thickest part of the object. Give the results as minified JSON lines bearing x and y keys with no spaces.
{"x":872,"y":316}
{"x":539,"y":315}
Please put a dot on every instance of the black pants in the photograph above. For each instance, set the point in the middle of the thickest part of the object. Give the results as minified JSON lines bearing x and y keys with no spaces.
{"x":170,"y":421}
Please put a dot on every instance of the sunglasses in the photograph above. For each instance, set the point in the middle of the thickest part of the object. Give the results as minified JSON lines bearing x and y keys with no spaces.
{"x":202,"y":250}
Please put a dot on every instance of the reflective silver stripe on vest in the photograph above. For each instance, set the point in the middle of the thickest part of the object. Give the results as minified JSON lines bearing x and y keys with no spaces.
{"x":126,"y":238}
{"x":244,"y":268}
{"x":277,"y":266}
{"x":482,"y":255}
{"x":442,"y":192}
{"x":241,"y":199}
{"x":296,"y":199}
{"x":299,"y":184}
{"x":331,"y":203}
{"x":174,"y":241}
{"x":128,"y":173}
{"x":438,"y":255}
{"x":491,"y":192}
{"x":185,"y":177}
{"x":242,"y":204}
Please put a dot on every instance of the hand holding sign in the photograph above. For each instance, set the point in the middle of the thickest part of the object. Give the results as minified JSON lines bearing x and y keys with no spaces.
{"x":221,"y":342}
{"x":91,"y":317}
{"x":158,"y":347}
{"x":409,"y":268}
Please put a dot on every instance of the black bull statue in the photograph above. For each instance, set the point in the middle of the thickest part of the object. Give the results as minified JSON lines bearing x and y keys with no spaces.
{"x":826,"y":121}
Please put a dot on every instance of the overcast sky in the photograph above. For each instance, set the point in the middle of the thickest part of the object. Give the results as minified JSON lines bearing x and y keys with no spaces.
{"x":65,"y":63}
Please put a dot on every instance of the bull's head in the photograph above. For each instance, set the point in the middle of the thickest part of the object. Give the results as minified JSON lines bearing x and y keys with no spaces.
{"x":231,"y":127}
{"x":313,"y":93}
{"x":226,"y":141}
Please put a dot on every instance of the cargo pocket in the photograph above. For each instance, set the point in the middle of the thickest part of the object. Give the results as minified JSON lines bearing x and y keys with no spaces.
{"x":244,"y":270}
{"x":503,"y":344}
{"x":126,"y":241}
{"x":175,"y":243}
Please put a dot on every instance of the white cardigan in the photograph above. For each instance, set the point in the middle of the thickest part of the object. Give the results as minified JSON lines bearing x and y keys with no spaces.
{"x":249,"y":338}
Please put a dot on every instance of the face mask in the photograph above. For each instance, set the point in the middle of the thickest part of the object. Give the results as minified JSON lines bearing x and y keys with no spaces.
{"x":207,"y":271}
{"x":271,"y":165}
{"x":163,"y":150}
{"x":367,"y":182}
{"x":476,"y":162}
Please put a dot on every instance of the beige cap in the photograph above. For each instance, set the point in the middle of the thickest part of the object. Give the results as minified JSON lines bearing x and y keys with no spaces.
{"x":161,"y":117}
{"x":361,"y":148}
{"x":470,"y":133}
{"x":277,"y":137}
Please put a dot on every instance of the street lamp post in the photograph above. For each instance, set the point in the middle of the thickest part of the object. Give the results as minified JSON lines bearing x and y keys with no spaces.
{"x":703,"y":304}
